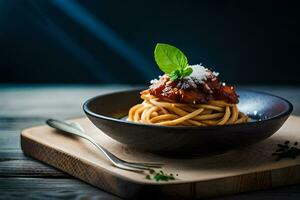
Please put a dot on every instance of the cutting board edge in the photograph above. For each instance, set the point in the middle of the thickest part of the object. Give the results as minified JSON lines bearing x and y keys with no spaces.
{"x":260,"y":180}
{"x":30,"y":148}
{"x":24,"y":131}
{"x":24,"y":135}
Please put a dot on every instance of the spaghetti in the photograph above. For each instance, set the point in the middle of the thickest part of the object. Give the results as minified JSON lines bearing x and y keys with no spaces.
{"x":215,"y":112}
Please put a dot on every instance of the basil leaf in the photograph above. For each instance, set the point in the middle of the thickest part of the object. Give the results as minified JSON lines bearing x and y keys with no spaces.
{"x":169,"y":58}
{"x":187,"y":71}
{"x":174,"y":75}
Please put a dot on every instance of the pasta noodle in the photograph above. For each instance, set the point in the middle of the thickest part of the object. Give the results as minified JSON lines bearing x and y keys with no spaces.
{"x":155,"y":111}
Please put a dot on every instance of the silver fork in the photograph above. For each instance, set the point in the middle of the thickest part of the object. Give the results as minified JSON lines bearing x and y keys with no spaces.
{"x":77,"y":130}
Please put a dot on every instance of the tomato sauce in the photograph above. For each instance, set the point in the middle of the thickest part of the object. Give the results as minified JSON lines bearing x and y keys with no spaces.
{"x":190,"y":91}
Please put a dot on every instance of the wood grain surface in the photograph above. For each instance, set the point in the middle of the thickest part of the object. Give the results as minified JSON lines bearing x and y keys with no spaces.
{"x":246,"y":169}
{"x":28,"y":105}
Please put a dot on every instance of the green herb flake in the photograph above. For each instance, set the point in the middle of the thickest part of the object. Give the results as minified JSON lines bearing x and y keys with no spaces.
{"x":159,"y":176}
{"x":163,"y":177}
{"x":285,"y":151}
{"x":287,"y":142}
{"x":152,"y":171}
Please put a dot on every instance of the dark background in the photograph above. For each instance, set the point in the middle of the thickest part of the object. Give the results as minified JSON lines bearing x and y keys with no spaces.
{"x":90,"y":41}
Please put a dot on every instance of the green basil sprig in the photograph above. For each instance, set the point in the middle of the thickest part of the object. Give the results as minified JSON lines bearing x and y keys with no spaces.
{"x":171,"y":61}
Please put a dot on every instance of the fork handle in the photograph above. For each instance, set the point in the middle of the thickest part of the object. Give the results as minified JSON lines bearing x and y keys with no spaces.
{"x":67,"y":128}
{"x":71,"y":130}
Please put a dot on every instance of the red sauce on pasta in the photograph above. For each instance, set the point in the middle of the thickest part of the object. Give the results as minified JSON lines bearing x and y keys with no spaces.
{"x":190,"y":91}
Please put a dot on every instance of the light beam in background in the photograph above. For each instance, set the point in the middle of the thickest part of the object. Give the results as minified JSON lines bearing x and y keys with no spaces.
{"x":106,"y":35}
{"x":84,"y":57}
{"x":97,"y":70}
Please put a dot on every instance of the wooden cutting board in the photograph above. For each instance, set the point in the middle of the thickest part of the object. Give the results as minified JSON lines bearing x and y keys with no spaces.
{"x":247,"y":169}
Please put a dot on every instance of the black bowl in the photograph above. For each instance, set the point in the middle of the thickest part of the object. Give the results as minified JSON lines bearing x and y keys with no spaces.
{"x":268,"y":112}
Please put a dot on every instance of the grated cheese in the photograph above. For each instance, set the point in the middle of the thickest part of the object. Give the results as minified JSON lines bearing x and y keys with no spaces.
{"x":200,"y":73}
{"x":154,"y":81}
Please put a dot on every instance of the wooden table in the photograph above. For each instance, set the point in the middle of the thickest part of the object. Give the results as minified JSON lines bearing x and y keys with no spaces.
{"x":23,"y":106}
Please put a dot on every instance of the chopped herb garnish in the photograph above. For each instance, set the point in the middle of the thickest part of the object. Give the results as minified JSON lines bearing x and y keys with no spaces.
{"x":152,"y":171}
{"x":159,"y":176}
{"x":285,"y":146}
{"x":163,"y":177}
{"x":286,"y":142}
{"x":285,"y":151}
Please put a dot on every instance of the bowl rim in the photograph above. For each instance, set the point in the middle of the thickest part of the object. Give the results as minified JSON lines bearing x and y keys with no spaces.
{"x":87,"y":111}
